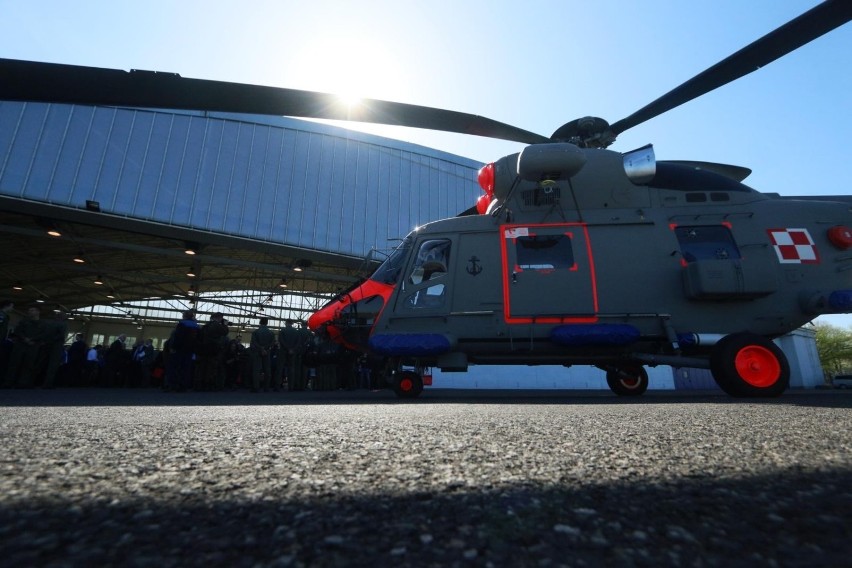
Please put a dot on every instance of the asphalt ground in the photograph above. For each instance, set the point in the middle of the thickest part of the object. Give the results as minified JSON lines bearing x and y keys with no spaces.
{"x":115,"y":477}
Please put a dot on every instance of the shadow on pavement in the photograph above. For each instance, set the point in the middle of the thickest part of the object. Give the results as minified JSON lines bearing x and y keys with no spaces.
{"x":790,"y":519}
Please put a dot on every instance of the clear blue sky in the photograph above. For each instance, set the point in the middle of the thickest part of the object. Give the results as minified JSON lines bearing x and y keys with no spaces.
{"x":534,"y":64}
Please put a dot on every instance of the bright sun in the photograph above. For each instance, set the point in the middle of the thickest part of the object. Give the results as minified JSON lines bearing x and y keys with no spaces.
{"x":351,"y":67}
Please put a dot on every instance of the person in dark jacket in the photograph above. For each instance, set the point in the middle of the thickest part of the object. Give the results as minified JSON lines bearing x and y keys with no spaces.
{"x":182,"y":345}
{"x":214,"y":340}
{"x":77,"y":360}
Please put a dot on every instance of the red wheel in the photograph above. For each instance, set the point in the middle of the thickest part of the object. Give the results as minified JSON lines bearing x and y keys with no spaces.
{"x":757,"y":366}
{"x":407,"y":384}
{"x":745,"y":364}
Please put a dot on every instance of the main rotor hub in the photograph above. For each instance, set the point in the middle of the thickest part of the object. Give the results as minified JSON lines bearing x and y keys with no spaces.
{"x":586,"y":132}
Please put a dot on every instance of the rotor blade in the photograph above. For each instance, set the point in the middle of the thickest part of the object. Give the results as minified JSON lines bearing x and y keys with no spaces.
{"x":57,"y":83}
{"x":789,"y":37}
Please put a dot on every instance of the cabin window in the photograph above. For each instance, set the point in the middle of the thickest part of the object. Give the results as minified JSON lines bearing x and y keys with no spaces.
{"x":711,"y":242}
{"x":428,"y":275}
{"x":544,"y":252}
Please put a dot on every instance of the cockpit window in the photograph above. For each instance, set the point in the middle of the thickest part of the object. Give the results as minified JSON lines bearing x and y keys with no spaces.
{"x":428,"y":275}
{"x":388,"y":272}
{"x":432,"y":261}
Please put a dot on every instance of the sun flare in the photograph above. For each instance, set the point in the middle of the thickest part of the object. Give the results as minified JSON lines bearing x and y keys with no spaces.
{"x":353,"y":68}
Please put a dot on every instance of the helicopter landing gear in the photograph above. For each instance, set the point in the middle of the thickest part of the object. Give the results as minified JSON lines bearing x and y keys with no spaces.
{"x":749,"y":365}
{"x":407,"y":384}
{"x":628,"y":380}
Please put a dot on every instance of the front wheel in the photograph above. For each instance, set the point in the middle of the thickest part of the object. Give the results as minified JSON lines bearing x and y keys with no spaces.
{"x":749,"y":365}
{"x":629,"y":380}
{"x":407,"y":384}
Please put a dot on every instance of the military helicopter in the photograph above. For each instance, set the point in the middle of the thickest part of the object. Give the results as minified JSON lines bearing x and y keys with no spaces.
{"x":574,"y":254}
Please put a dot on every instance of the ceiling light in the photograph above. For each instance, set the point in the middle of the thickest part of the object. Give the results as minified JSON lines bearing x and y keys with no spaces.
{"x":79,"y":259}
{"x":98,"y":281}
{"x":49,"y":226}
{"x":111,"y":295}
{"x":17,"y":286}
{"x":283,"y":283}
{"x":190,"y":272}
{"x":191,"y":248}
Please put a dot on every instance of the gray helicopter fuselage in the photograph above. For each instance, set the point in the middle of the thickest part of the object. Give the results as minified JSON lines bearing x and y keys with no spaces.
{"x":678,"y":261}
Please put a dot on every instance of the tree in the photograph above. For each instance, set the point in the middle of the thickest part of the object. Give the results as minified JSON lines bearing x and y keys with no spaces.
{"x":834,"y":346}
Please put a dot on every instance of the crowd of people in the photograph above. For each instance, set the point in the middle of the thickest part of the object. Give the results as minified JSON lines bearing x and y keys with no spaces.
{"x":194,"y":357}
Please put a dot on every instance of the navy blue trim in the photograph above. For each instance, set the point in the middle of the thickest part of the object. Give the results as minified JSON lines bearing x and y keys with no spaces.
{"x":410,"y":344}
{"x":594,"y":334}
{"x":840,"y":300}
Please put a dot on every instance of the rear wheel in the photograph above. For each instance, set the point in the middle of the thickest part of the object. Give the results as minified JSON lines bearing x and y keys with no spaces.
{"x":749,"y":365}
{"x":407,"y":384}
{"x":629,"y":380}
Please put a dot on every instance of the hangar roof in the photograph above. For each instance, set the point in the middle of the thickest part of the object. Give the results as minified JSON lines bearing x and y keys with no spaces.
{"x":137,"y":259}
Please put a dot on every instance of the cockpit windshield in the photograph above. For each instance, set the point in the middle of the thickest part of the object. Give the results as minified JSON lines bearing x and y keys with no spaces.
{"x":389,"y":271}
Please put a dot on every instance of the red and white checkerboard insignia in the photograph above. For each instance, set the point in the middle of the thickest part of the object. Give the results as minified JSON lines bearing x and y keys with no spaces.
{"x":794,"y":246}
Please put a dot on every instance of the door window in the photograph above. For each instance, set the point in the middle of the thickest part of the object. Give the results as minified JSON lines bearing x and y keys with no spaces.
{"x":544,"y":252}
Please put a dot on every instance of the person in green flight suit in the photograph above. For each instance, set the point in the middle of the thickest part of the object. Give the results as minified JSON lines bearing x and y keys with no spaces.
{"x":293,"y":344}
{"x":24,"y":360}
{"x":260,"y":348}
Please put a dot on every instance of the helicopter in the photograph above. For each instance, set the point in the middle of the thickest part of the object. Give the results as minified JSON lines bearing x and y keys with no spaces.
{"x":574,"y":253}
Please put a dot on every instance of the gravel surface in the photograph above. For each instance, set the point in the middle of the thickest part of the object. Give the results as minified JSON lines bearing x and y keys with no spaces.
{"x":143,"y":478}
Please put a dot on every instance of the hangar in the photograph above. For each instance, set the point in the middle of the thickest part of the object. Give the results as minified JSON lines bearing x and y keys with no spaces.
{"x":128,"y":216}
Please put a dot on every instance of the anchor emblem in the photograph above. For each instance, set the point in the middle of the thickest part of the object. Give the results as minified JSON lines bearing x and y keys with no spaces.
{"x":473,"y":268}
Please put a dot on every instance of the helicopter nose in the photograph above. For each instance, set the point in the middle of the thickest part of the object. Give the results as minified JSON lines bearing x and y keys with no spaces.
{"x":323,"y":316}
